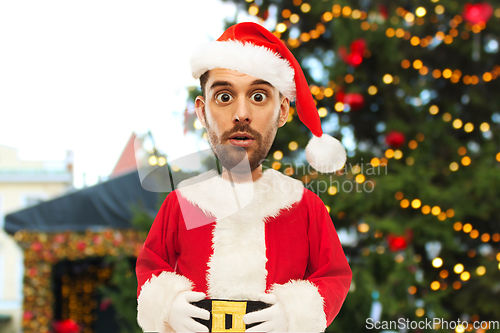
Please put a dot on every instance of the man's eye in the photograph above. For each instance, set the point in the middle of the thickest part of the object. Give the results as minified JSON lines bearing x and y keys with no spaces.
{"x":258,"y":97}
{"x":224,"y":97}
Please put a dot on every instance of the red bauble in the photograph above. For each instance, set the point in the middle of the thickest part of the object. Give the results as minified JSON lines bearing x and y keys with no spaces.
{"x":339,"y":96}
{"x":358,"y":46}
{"x":355,"y":58}
{"x":383,"y":11}
{"x":66,"y":326}
{"x":396,"y":243}
{"x":395,"y":139}
{"x":354,"y":100}
{"x":477,"y":13}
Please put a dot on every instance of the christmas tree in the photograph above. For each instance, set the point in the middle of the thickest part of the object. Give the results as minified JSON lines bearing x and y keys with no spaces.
{"x":411,"y":89}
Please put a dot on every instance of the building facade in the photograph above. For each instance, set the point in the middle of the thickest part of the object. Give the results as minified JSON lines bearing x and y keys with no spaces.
{"x":23,"y":184}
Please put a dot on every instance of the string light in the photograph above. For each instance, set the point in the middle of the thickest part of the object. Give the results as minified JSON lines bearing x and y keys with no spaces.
{"x":435,"y":285}
{"x":253,"y":9}
{"x":305,"y":7}
{"x":363,"y":227}
{"x":459,"y":268}
{"x":332,"y":190}
{"x":278,"y":155}
{"x":322,"y":112}
{"x":421,"y":11}
{"x":387,"y":79}
{"x":437,"y":262}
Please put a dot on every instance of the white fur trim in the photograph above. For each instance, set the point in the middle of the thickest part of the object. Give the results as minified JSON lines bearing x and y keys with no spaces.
{"x":325,"y":153}
{"x":155,"y":300}
{"x":237,"y":267}
{"x":250,"y":59}
{"x":303,"y":305}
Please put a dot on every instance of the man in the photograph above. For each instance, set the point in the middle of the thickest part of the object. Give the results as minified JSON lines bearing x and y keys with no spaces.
{"x":275,"y":247}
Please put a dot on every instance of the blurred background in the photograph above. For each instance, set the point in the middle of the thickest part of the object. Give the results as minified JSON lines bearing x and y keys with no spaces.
{"x":90,"y":89}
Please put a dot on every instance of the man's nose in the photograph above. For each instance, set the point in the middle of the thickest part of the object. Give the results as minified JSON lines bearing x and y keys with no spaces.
{"x":242,"y":113}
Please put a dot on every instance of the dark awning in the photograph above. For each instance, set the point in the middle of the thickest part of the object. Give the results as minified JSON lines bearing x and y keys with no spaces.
{"x":105,"y":205}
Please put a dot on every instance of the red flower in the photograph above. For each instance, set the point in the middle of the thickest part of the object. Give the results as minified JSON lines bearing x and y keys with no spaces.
{"x":66,"y":326}
{"x":354,"y":100}
{"x":477,"y":13}
{"x":395,"y":139}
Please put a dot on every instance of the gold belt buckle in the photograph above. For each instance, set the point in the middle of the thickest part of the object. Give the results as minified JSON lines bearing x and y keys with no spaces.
{"x":222,"y":308}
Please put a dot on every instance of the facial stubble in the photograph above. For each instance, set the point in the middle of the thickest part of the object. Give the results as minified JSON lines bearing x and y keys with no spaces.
{"x":229,"y":158}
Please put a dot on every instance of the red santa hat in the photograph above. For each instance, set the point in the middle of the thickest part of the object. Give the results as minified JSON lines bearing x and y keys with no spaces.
{"x":251,"y":49}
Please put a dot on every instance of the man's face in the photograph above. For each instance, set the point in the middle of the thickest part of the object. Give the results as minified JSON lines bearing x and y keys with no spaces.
{"x":239,"y":110}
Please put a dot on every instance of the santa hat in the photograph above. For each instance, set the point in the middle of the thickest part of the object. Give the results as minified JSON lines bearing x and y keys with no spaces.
{"x":251,"y":49}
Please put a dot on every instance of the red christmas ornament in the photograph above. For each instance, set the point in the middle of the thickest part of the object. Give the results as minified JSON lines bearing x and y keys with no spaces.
{"x":396,"y":243}
{"x":383,"y":11}
{"x":477,"y":13}
{"x":395,"y":139}
{"x":339,"y":96}
{"x":105,"y":304}
{"x":354,"y":100}
{"x":358,"y":46}
{"x":66,"y":326}
{"x":355,"y":58}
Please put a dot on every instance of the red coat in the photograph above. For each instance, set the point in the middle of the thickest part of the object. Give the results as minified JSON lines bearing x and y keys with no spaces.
{"x":280,"y":240}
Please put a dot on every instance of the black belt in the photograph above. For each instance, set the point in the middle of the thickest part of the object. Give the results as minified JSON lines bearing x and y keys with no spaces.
{"x":227,"y":315}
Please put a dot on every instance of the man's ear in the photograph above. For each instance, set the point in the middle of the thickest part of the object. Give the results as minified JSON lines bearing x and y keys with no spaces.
{"x":284,"y":110}
{"x":199,"y":105}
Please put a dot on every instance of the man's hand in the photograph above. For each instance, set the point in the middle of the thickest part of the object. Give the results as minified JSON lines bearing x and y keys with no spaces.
{"x":182,"y":313}
{"x":273,"y":318}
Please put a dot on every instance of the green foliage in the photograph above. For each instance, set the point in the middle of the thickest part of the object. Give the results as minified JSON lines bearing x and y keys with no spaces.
{"x":121,"y":289}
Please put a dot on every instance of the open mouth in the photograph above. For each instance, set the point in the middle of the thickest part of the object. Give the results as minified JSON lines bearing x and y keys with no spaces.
{"x":241,"y":139}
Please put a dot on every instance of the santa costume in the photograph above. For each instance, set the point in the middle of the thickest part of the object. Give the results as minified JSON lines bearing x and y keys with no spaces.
{"x":281,"y":240}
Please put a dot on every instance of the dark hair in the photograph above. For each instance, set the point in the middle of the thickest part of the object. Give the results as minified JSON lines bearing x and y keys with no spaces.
{"x":203,"y":82}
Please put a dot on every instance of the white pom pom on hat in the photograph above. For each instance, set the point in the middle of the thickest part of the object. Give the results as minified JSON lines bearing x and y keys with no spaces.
{"x":251,"y":49}
{"x":325,"y":154}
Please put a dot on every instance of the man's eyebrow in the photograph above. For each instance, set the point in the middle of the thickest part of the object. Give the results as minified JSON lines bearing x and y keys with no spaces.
{"x":257,"y":82}
{"x":220,"y":83}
